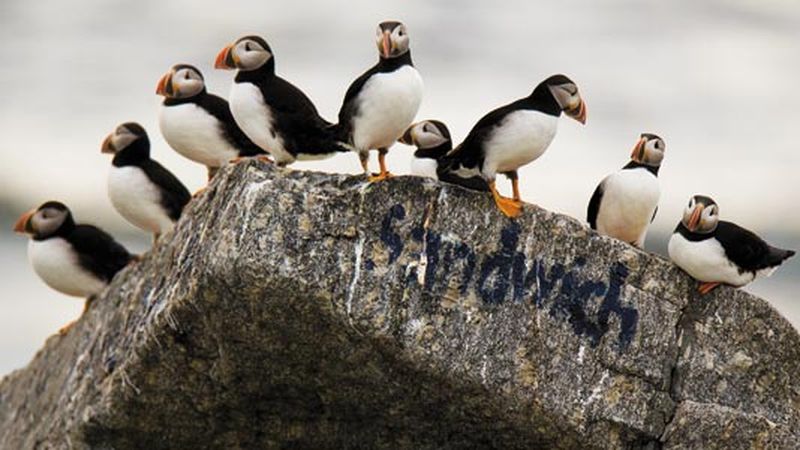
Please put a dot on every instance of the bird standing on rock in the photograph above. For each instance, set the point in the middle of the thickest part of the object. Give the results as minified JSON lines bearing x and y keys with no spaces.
{"x":199,"y":125}
{"x":625,"y":202}
{"x":716,"y":252}
{"x":432,"y":139}
{"x":511,"y":136}
{"x":142,"y":190}
{"x":272,"y":112}
{"x":381,"y":103}
{"x":76,"y":260}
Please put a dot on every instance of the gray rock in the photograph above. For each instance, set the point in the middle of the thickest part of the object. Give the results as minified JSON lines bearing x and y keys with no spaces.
{"x":297,"y":309}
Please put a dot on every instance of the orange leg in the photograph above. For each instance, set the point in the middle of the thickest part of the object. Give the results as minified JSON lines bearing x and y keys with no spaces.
{"x":705,"y":288}
{"x":363,"y":157}
{"x":515,"y":187}
{"x":509,"y":207}
{"x":384,"y":174}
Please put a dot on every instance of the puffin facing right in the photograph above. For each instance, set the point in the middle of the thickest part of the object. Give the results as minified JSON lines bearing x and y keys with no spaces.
{"x":716,"y":252}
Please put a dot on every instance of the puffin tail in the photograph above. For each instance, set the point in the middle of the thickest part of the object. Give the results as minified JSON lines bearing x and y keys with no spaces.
{"x":450,"y":170}
{"x":779,"y":255}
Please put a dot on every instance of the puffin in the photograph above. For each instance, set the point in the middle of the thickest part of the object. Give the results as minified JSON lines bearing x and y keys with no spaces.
{"x":271,"y":111}
{"x":381,"y":103}
{"x":432,"y":139}
{"x":75,"y":259}
{"x":142,"y":190}
{"x":717,"y":252}
{"x":625,"y":202}
{"x":511,"y":136}
{"x":199,"y":125}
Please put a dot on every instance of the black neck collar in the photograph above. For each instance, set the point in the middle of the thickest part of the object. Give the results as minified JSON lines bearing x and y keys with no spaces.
{"x":392,"y":64}
{"x":434,"y":152}
{"x":636,"y":165}
{"x":692,"y":236}
{"x":265,"y":72}
{"x":170,"y":101}
{"x":134,"y":154}
{"x":541,"y":99}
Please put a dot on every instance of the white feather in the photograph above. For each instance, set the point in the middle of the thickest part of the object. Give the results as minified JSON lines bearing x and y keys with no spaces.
{"x":630,"y":197}
{"x":56,"y":263}
{"x":195,"y":134}
{"x":137,"y":199}
{"x":424,"y":167}
{"x":254,"y":117}
{"x":706,"y":261}
{"x":388,"y":103}
{"x":520,"y":138}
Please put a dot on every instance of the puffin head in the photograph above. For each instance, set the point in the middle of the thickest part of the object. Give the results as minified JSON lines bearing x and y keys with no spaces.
{"x":392,"y":39}
{"x":181,"y":81}
{"x":247,"y":53}
{"x":649,"y":150}
{"x":129,"y":135}
{"x":44,"y":221}
{"x":701,"y":214}
{"x":426,"y":134}
{"x":566,"y":94}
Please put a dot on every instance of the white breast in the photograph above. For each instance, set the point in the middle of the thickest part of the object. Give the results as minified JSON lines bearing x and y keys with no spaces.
{"x":56,"y":263}
{"x":629,"y":200}
{"x":706,"y":261}
{"x":388,"y":104}
{"x":520,"y":138}
{"x":195,"y":134}
{"x":424,"y":167}
{"x":137,"y":199}
{"x":255,"y":119}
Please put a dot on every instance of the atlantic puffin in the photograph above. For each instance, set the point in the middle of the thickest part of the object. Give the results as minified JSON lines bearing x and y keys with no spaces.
{"x":142,"y":190}
{"x":381,"y":103}
{"x":432,"y":139}
{"x":717,"y":252}
{"x":199,"y":125}
{"x":272,"y":112}
{"x":74,"y":259}
{"x":625,"y":202}
{"x":511,"y":136}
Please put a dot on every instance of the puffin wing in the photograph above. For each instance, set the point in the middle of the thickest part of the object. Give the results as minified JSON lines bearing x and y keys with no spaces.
{"x":98,"y":252}
{"x":219,"y":108}
{"x":174,"y":195}
{"x":349,"y":108}
{"x":594,"y":205}
{"x":745,"y":249}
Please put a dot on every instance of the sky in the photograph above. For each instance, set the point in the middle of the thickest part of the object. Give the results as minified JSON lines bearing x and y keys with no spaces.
{"x":715,"y":79}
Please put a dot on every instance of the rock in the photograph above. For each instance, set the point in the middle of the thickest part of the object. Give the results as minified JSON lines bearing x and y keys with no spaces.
{"x":298,"y":309}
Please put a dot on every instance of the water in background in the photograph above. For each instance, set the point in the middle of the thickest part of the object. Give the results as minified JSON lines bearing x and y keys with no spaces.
{"x":715,"y":78}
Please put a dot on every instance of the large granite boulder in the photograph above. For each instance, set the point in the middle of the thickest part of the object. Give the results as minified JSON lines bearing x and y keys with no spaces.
{"x":292,"y":309}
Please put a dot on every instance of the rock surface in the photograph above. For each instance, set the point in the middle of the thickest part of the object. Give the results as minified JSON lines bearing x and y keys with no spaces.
{"x":306,"y":310}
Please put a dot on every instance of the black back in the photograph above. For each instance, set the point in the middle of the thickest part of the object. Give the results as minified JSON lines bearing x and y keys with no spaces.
{"x":744,"y":248}
{"x":97,"y":251}
{"x":351,"y":104}
{"x":594,"y":206}
{"x":218,"y":107}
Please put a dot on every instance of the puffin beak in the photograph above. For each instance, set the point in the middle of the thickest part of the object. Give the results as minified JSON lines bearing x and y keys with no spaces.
{"x":164,"y":87}
{"x":23,"y":223}
{"x":578,"y":112}
{"x":108,"y":145}
{"x":694,"y":219}
{"x":408,"y":137}
{"x":638,"y":151}
{"x":386,"y":45}
{"x":225,"y":59}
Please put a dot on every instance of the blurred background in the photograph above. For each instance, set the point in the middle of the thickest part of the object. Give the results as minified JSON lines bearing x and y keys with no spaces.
{"x":715,"y":78}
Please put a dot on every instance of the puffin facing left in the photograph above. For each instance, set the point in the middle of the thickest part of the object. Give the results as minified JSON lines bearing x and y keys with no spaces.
{"x":142,"y":190}
{"x":199,"y":125}
{"x":74,"y":259}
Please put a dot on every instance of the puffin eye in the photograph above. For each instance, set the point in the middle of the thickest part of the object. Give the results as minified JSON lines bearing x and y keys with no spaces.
{"x":247,"y":46}
{"x":187,"y":75}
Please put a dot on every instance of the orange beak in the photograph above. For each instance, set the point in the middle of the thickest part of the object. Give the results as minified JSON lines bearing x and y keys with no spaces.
{"x":579,"y":112}
{"x":23,"y":226}
{"x":386,"y":45}
{"x":694,"y":219}
{"x":164,"y":87}
{"x":225,"y":59}
{"x":108,"y":146}
{"x":638,"y":151}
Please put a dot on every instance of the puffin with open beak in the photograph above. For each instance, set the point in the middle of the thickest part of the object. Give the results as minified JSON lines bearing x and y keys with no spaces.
{"x":380,"y":104}
{"x":272,"y":112}
{"x":75,"y":259}
{"x":142,"y":190}
{"x":625,"y":202}
{"x":432,"y":139}
{"x":199,"y":125}
{"x":717,"y":252}
{"x":512,"y":136}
